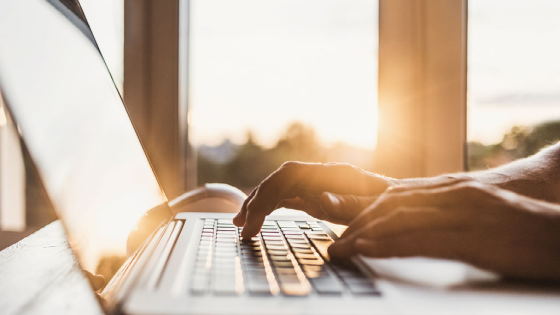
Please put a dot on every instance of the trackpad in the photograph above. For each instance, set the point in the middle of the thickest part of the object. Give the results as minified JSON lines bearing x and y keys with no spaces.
{"x":430,"y":272}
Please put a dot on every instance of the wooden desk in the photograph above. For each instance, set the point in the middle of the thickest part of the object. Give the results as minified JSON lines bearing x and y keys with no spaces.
{"x":40,"y":275}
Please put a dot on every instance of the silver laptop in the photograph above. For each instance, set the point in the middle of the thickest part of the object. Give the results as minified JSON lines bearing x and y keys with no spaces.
{"x":72,"y":121}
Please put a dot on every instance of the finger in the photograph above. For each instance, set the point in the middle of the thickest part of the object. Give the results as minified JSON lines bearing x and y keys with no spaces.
{"x":257,"y":220}
{"x":435,"y":244}
{"x":239,"y":219}
{"x":311,"y":207}
{"x":405,"y":221}
{"x":294,"y":178}
{"x":411,"y":220}
{"x":437,"y":197}
{"x":343,"y":208}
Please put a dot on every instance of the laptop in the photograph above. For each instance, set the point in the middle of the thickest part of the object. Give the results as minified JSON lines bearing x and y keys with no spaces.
{"x":73,"y":124}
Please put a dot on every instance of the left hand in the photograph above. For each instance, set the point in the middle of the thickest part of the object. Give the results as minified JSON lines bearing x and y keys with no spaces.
{"x":462,"y":220}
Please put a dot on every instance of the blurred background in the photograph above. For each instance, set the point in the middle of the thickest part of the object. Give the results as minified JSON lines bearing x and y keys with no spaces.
{"x":273,"y":81}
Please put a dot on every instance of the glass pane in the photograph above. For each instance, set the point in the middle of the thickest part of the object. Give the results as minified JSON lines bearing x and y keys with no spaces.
{"x":513,"y":79}
{"x":272,"y":81}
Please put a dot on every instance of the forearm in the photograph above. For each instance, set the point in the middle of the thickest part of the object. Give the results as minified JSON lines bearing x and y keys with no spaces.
{"x":537,"y":176}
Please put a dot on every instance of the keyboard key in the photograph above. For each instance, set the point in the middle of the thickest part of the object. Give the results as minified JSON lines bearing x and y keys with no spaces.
{"x":322,"y":233}
{"x":279,"y":258}
{"x":294,"y":289}
{"x":289,"y":228}
{"x":286,"y":271}
{"x":315,"y":274}
{"x":311,"y":262}
{"x":326,"y":285}
{"x":226,"y":254}
{"x":199,"y":287}
{"x":305,"y":256}
{"x":286,"y":224}
{"x":301,"y":246}
{"x":282,"y":264}
{"x":295,"y":237}
{"x":322,"y":247}
{"x":288,"y":278}
{"x":224,"y":288}
{"x":303,"y":250}
{"x":277,"y":252}
{"x":276,"y":247}
{"x":254,"y":260}
{"x":360,"y":289}
{"x":292,"y":232}
{"x":304,"y":226}
{"x":313,"y":268}
{"x":258,"y":288}
{"x":269,"y":229}
{"x":226,"y":244}
{"x":278,"y":243}
{"x":302,"y":241}
{"x":357,"y":281}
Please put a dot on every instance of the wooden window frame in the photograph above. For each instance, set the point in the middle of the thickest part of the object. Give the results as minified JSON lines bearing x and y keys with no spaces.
{"x":422,"y":87}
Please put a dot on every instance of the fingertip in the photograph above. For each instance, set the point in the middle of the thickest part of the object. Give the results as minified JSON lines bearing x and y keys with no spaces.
{"x":253,"y":224}
{"x":341,"y":249}
{"x":248,"y":233}
{"x":239,"y":219}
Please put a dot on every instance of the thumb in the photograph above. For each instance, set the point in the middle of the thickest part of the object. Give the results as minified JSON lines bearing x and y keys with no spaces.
{"x":343,"y":208}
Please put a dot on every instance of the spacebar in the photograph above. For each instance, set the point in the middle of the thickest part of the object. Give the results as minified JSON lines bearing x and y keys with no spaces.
{"x":322,"y":247}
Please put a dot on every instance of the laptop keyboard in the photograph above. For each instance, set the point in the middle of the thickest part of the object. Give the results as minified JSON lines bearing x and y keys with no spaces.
{"x":286,"y":257}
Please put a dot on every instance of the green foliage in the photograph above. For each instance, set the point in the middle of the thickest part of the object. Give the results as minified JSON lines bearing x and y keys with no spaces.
{"x":520,"y":142}
{"x":253,"y":163}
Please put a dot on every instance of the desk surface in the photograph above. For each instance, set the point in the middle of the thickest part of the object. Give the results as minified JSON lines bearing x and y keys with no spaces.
{"x":40,"y":274}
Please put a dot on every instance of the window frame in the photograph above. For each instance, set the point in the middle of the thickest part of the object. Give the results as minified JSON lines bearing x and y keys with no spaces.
{"x":422,"y":87}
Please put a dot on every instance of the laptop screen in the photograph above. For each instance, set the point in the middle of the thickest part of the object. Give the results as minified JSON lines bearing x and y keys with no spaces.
{"x":58,"y":90}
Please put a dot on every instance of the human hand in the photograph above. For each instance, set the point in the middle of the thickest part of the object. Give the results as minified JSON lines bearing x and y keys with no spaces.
{"x":335,"y":192}
{"x":461,"y":220}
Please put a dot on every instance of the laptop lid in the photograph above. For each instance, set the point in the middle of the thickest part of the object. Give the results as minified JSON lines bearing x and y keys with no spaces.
{"x":75,"y":127}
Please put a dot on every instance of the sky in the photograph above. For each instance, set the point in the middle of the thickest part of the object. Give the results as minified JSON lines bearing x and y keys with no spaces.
{"x":513,"y":66}
{"x":260,"y":65}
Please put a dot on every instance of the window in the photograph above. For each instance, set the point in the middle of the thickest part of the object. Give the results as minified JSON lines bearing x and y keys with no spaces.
{"x":272,"y":81}
{"x":513,"y":79}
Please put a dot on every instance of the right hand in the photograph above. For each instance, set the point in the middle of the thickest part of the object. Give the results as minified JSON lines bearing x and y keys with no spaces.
{"x":334,"y":192}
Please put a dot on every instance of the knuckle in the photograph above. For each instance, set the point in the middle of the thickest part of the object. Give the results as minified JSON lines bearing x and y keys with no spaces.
{"x":471,"y":188}
{"x":289,"y":166}
{"x":346,"y":167}
{"x":267,"y":185}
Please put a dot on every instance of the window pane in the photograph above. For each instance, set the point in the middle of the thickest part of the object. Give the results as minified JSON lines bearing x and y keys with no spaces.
{"x":281,"y":80}
{"x":514,"y":79}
